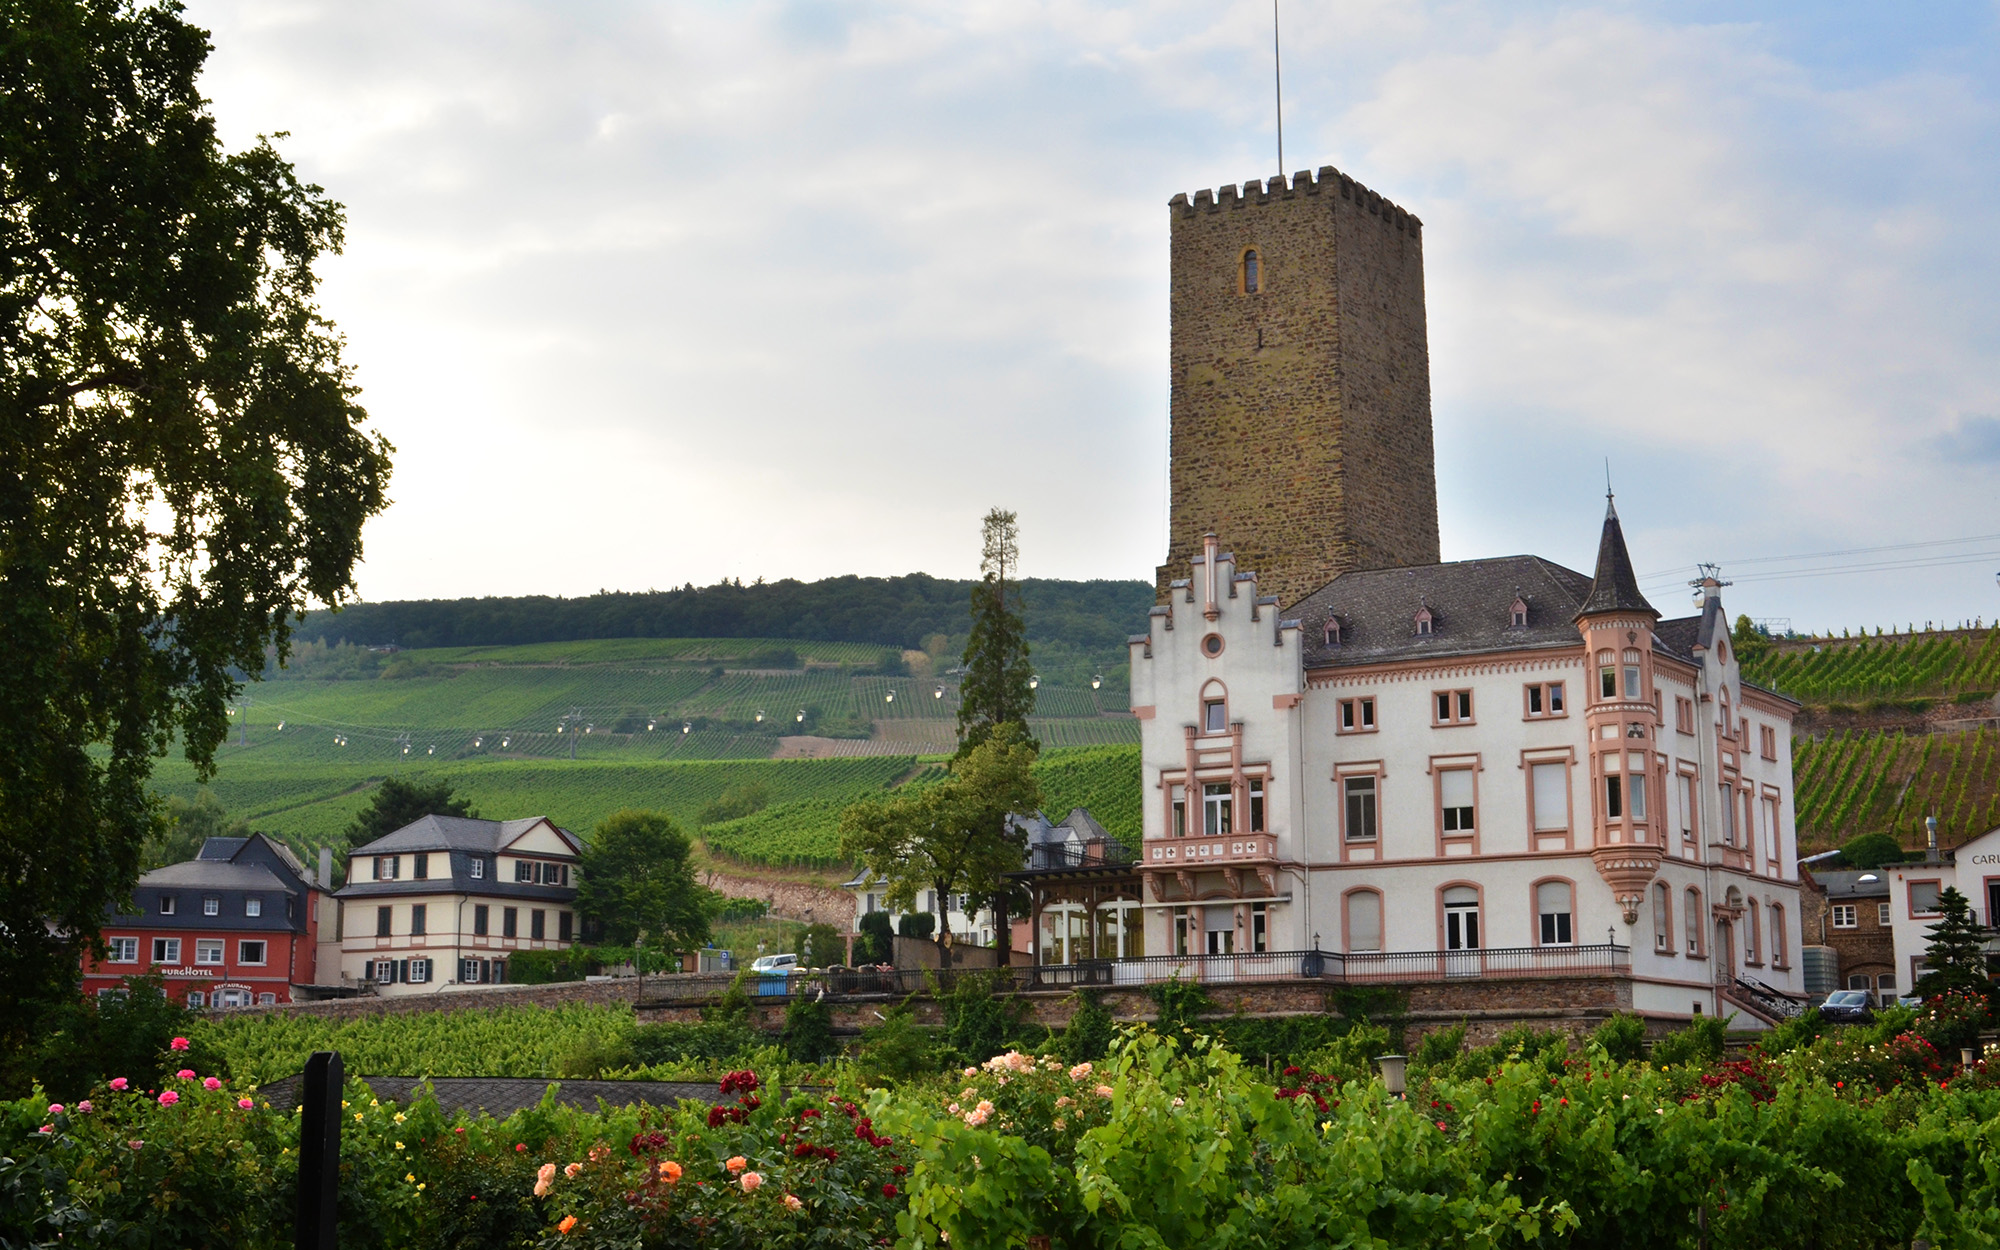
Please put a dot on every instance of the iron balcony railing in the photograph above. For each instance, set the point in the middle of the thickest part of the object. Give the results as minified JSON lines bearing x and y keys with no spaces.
{"x":1385,"y":967}
{"x":1068,"y":856}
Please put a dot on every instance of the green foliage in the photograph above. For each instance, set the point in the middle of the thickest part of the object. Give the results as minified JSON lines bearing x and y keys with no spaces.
{"x":1103,"y":780}
{"x":735,"y":802}
{"x":1350,"y":1056}
{"x":896,"y":1049}
{"x":547,"y":967}
{"x":995,"y":690}
{"x":635,"y":883}
{"x":876,"y":943}
{"x":818,"y":945}
{"x":1887,"y":781}
{"x":1622,"y":1037}
{"x":87,"y":1041}
{"x":1894,"y":668}
{"x":188,"y":824}
{"x":715,"y":1043}
{"x":737,"y":910}
{"x":955,"y":836}
{"x":1698,"y":1044}
{"x":808,"y":1032}
{"x":1090,"y":1030}
{"x":595,"y":1055}
{"x":498,"y":1041}
{"x":1871,"y":850}
{"x":733,"y":1006}
{"x":186,"y":467}
{"x":1956,"y":950}
{"x":919,"y":925}
{"x":1439,"y":1048}
{"x":978,"y":1022}
{"x":1179,"y":1006}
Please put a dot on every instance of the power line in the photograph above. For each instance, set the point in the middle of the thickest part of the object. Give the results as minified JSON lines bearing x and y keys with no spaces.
{"x":1828,"y":555}
{"x":1780,"y":575}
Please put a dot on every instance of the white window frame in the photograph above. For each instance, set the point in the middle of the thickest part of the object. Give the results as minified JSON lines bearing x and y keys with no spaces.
{"x":420,"y":972}
{"x":167,"y":951}
{"x":1882,"y":915}
{"x":1371,"y":793}
{"x":1845,"y":916}
{"x":253,"y":906}
{"x":243,"y":952}
{"x":478,"y":870}
{"x":1218,"y":809}
{"x":124,"y":950}
{"x":211,"y":904}
{"x":206,"y":947}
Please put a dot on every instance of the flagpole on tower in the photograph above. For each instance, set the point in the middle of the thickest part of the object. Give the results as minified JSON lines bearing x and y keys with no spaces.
{"x":1278,"y":81}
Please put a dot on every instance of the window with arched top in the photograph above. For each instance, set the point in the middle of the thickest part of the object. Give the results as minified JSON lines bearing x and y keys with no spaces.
{"x":1780,"y":956}
{"x":1692,"y":921}
{"x":1461,"y":917}
{"x":1214,"y":708}
{"x":1253,"y":272}
{"x":1363,"y":920}
{"x":1555,"y":903}
{"x":1663,"y":918}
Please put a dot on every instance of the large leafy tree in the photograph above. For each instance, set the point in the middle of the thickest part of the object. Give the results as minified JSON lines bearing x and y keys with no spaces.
{"x":397,"y":803}
{"x":183,"y":464}
{"x":637,"y":884}
{"x":952,"y":837}
{"x":996,"y":689}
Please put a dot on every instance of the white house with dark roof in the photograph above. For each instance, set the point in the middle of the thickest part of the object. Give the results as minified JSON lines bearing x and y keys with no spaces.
{"x":1481,"y":768}
{"x":444,"y":901}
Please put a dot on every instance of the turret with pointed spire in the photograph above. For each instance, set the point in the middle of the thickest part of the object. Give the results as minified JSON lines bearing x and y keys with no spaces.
{"x":1627,"y":770}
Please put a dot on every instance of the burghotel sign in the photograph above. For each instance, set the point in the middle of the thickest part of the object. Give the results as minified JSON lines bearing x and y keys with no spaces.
{"x":187,"y":972}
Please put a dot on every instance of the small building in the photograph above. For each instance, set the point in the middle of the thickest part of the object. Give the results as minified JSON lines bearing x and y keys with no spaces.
{"x":1850,"y":915}
{"x":1085,"y":908}
{"x":968,"y":921}
{"x":236,"y":926}
{"x":1972,"y":868}
{"x":445,"y":901}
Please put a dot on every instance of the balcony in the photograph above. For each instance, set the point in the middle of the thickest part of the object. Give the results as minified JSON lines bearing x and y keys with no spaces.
{"x":1204,"y":852}
{"x":1074,"y":856}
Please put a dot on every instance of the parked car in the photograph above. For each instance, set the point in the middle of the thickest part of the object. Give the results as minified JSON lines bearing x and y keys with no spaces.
{"x":774,"y":963}
{"x":1846,"y":1007}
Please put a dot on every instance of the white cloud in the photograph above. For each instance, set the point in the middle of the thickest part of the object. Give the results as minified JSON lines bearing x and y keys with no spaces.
{"x":649,"y":293}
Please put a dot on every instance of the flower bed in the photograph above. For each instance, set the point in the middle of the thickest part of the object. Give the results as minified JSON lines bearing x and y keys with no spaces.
{"x":1842,"y":1142}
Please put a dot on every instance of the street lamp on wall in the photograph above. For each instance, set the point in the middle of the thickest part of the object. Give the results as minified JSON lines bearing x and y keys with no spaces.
{"x":1395,"y":1068}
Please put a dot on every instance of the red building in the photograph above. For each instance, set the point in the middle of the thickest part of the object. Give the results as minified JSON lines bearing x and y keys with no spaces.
{"x":237,"y":926}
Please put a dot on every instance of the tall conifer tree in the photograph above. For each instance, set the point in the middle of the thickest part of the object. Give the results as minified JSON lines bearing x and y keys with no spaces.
{"x":995,"y":691}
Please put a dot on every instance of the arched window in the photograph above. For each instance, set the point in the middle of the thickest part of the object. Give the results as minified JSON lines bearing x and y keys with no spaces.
{"x":1693,"y":921}
{"x":1214,"y":708}
{"x":1253,"y":276}
{"x":1554,"y":903}
{"x":1779,"y":954}
{"x":1461,"y":918}
{"x":1364,"y":920}
{"x":1663,"y":918}
{"x":1753,"y":936}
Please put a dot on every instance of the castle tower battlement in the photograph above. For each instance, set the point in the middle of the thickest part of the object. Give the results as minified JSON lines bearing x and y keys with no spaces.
{"x":1300,"y":365}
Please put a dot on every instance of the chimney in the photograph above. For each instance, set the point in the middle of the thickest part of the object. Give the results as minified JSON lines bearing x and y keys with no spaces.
{"x":326,"y":868}
{"x":1930,"y":835}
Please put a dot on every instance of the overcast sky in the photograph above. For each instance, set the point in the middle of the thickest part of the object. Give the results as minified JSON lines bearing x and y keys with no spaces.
{"x":655,"y":293}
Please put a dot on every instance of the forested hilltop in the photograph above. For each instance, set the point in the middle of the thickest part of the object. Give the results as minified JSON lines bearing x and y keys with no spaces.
{"x":907,"y":612}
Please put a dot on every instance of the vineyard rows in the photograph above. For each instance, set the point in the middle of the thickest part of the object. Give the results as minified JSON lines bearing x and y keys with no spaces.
{"x":1924,"y":665}
{"x":1867,"y":781}
{"x":806,"y":833}
{"x":673,"y":650}
{"x":504,"y":1041}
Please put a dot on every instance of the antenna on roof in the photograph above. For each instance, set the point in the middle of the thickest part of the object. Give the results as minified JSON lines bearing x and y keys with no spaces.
{"x":1278,"y":82}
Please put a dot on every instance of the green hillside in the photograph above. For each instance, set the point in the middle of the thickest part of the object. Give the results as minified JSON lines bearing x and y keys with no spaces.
{"x":1886,"y":781}
{"x":807,"y":833}
{"x":1821,"y":671}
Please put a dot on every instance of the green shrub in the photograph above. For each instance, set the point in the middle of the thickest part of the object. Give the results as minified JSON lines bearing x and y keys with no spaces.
{"x":674,"y":1042}
{"x":738,"y":910}
{"x":1350,"y":1056}
{"x":1179,"y":1006}
{"x":877,"y":944}
{"x":808,"y":1032}
{"x":1699,"y":1043}
{"x":1801,"y":1030}
{"x":978,"y":1023}
{"x":918,"y":925}
{"x":1090,"y":1030}
{"x":733,"y":1007}
{"x":819,"y":945}
{"x":1622,"y":1037}
{"x":592,"y":1057}
{"x":897,"y":1049}
{"x":1439,"y":1048}
{"x":89,"y":1040}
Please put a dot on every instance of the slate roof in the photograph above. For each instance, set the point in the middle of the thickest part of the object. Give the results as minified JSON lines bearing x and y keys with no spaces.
{"x":209,"y":874}
{"x":1678,"y":636}
{"x":1470,"y":602}
{"x":1616,"y":586}
{"x":458,"y":833}
{"x":1848,"y":884}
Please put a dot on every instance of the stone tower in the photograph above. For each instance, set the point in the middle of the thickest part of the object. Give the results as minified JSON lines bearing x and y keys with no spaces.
{"x":1301,"y":383}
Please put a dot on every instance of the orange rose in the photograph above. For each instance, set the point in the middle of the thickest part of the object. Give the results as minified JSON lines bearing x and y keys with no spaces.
{"x":568,"y":1222}
{"x":750,"y":1182}
{"x":670,"y":1170}
{"x":736,"y":1163}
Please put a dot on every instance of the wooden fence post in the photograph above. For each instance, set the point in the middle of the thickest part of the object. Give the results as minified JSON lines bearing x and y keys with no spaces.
{"x":317,"y":1226}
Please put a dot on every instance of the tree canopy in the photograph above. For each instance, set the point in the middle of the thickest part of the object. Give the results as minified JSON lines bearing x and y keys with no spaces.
{"x":952,"y":837}
{"x":397,"y":802}
{"x":183,"y":464}
{"x":1956,"y":952}
{"x":637,"y":886}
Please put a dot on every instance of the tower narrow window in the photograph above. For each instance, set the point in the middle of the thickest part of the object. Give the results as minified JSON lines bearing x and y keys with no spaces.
{"x":1252,"y":273}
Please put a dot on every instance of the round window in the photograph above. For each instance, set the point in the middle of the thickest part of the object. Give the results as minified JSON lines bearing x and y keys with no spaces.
{"x":1212,"y":645}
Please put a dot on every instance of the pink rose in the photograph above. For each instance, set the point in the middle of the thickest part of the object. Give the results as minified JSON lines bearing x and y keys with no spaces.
{"x":179,"y":1043}
{"x":46,"y":1128}
{"x":135,"y":1143}
{"x":245,"y":1103}
{"x":55,"y":1108}
{"x":185,"y":1074}
{"x":84,"y":1106}
{"x":750,"y":1182}
{"x":118,"y":1083}
{"x":211,"y":1083}
{"x":169,"y":1098}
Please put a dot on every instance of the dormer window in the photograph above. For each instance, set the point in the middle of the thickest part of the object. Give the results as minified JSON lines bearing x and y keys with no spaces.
{"x":1332,"y":631}
{"x":1517,"y":616}
{"x":1252,"y":272}
{"x":1424,"y":620}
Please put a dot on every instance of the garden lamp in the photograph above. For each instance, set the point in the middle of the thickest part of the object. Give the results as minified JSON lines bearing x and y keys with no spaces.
{"x":1394,"y":1069}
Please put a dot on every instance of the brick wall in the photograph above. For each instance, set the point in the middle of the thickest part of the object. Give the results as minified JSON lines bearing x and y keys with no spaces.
{"x":1301,"y":414}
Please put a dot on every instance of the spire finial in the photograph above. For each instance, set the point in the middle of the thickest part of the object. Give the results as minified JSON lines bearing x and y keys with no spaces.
{"x":1610,"y":503}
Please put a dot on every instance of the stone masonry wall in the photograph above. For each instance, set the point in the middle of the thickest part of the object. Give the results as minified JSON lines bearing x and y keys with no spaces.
{"x":1301,"y":414}
{"x":789,"y":900}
